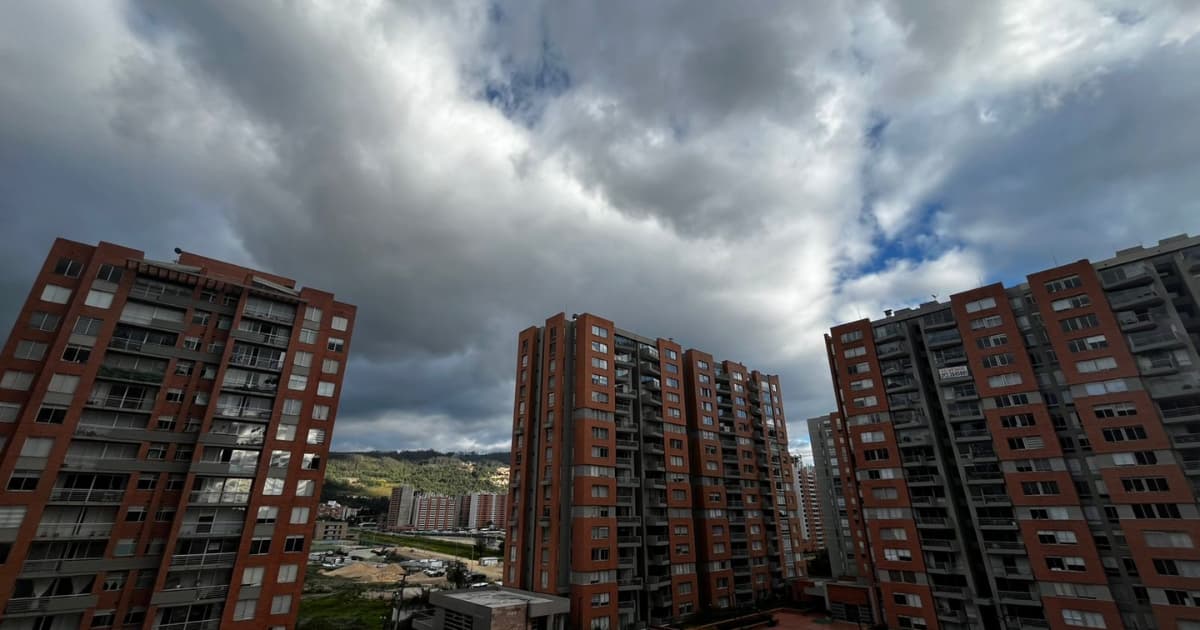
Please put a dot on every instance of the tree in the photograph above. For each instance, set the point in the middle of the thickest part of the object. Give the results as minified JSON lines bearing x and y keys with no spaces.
{"x":458,"y":574}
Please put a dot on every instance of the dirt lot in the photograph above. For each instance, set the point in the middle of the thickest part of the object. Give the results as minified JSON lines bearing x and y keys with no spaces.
{"x":391,"y":572}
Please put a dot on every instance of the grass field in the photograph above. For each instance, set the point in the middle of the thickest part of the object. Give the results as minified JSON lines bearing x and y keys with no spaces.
{"x":337,"y":605}
{"x":462,"y":550}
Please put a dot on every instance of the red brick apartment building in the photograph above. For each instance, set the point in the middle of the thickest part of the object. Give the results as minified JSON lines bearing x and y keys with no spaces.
{"x":647,"y":482}
{"x":1028,"y":456}
{"x":164,"y":428}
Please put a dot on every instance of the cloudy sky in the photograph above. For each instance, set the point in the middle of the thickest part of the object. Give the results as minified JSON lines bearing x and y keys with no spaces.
{"x":736,"y":179}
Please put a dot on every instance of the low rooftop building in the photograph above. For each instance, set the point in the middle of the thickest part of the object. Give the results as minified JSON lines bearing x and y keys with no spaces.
{"x":494,"y":608}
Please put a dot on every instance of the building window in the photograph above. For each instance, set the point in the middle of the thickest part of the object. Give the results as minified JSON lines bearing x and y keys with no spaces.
{"x":308,"y":336}
{"x":315,"y":436}
{"x":330,"y":366}
{"x":339,"y":323}
{"x":305,"y":487}
{"x":13,"y":379}
{"x":98,"y":299}
{"x":244,"y":610}
{"x":288,"y":573}
{"x":55,"y":294}
{"x":325,"y":388}
{"x":336,"y":345}
{"x":260,"y":546}
{"x":252,"y":576}
{"x":293,"y":544}
{"x":313,"y":314}
{"x":299,"y":516}
{"x":302,"y":359}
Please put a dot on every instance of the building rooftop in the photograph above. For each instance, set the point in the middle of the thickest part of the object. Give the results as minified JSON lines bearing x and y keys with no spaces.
{"x":497,"y":598}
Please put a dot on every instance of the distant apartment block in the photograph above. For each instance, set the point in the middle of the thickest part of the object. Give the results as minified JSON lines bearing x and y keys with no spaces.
{"x":163,"y":433}
{"x":333,"y":510}
{"x":400,"y":508}
{"x":435,"y":512}
{"x":812,"y":532}
{"x":482,"y":510}
{"x":332,"y":530}
{"x":1028,"y":456}
{"x":648,"y":482}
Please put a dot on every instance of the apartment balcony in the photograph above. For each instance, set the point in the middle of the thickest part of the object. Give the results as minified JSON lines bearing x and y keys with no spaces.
{"x":629,"y":541}
{"x":203,"y":624}
{"x":999,"y":523}
{"x":50,"y":605}
{"x":628,"y":481}
{"x":657,"y":541}
{"x":952,"y":616}
{"x":71,"y":495}
{"x":265,"y":339}
{"x":624,"y":390}
{"x":918,"y":460}
{"x":256,"y":362}
{"x":1004,"y":546}
{"x":1155,"y":339}
{"x":281,"y":317}
{"x":943,"y":338}
{"x":219,"y":498}
{"x":201,"y":560}
{"x":992,"y":499}
{"x":925,"y":480}
{"x":135,"y":376}
{"x":933,"y":521}
{"x":654,"y":447}
{"x":649,"y":367}
{"x":1127,"y":276}
{"x":219,"y":528}
{"x":952,"y":568}
{"x":967,"y":435}
{"x":627,"y":445}
{"x":892,"y":349}
{"x":122,"y":403}
{"x":115,"y":432}
{"x":949,"y":590}
{"x":1180,"y":414}
{"x":629,"y":584}
{"x":251,"y":413}
{"x":919,"y":499}
{"x":54,"y":531}
{"x":139,"y":346}
{"x":940,"y":319}
{"x":1185,"y":384}
{"x":1130,"y":321}
{"x":1017,"y":597}
{"x":939,"y":544}
{"x":179,"y":596}
{"x":1130,"y":298}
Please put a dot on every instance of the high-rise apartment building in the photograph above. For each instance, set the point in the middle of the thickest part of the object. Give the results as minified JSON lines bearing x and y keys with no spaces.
{"x":163,"y":433}
{"x":435,"y":512}
{"x":1027,"y":457}
{"x":849,"y":594}
{"x":483,"y":509}
{"x":400,"y":508}
{"x":647,"y":482}
{"x":811,"y":531}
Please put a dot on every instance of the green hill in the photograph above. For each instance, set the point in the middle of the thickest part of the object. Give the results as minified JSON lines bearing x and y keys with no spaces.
{"x":376,"y":473}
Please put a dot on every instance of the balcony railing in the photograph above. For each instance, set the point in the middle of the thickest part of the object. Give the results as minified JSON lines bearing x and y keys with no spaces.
{"x":204,"y":624}
{"x":19,"y":605}
{"x":87,"y":496}
{"x":220,"y":528}
{"x":202,"y":592}
{"x":138,"y":345}
{"x":143,"y":376}
{"x":132,"y":403}
{"x":74,"y":530}
{"x":248,"y":360}
{"x":202,"y":559}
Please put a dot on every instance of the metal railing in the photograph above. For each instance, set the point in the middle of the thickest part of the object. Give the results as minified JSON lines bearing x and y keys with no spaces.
{"x":202,"y":559}
{"x":74,"y":530}
{"x":218,"y":528}
{"x":35,"y":604}
{"x":137,"y":345}
{"x":87,"y":496}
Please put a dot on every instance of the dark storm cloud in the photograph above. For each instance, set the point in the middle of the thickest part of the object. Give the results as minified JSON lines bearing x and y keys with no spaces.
{"x":462,"y":170}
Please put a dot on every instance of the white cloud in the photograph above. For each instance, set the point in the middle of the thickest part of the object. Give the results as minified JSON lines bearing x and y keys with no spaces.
{"x":462,"y":171}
